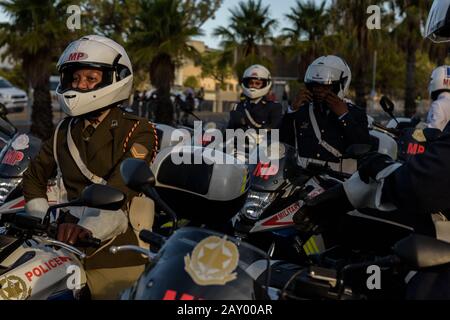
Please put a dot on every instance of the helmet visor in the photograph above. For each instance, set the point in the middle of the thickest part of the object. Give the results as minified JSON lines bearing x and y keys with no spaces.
{"x":67,"y":74}
{"x":323,"y":75}
{"x":253,"y":82}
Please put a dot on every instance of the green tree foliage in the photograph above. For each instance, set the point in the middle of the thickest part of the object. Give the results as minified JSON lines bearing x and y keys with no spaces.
{"x":34,"y":36}
{"x":250,"y":25}
{"x":191,"y":82}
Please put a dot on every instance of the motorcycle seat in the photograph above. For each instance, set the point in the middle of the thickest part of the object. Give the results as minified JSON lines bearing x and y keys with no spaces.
{"x":421,"y":251}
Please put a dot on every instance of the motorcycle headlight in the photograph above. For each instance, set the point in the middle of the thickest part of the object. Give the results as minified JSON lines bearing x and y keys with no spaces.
{"x":256,"y":204}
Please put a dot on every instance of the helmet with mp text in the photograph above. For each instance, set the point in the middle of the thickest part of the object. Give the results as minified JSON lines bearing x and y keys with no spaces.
{"x":439,"y":81}
{"x":94,"y":52}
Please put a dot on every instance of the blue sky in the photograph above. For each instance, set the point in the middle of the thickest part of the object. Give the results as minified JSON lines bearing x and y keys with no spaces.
{"x":278,"y":8}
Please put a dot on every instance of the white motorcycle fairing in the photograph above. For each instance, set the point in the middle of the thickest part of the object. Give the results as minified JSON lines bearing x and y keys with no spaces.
{"x":38,"y":271}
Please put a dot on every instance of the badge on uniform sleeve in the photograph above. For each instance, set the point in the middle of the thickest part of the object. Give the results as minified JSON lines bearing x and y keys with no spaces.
{"x":138,"y":151}
{"x":419,"y":136}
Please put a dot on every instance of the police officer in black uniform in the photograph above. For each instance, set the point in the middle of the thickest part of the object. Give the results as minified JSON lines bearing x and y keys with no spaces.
{"x":320,"y":123}
{"x":254,"y":111}
{"x":415,"y":189}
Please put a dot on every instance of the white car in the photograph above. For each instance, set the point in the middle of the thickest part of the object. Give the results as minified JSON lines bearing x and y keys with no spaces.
{"x":14,"y":99}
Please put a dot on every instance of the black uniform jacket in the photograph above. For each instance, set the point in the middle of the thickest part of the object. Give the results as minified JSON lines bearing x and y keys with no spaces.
{"x":340,"y":133}
{"x":265,"y":113}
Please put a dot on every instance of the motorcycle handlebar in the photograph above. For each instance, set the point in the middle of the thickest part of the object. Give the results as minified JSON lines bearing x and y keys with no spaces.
{"x":89,"y":242}
{"x":393,"y":131}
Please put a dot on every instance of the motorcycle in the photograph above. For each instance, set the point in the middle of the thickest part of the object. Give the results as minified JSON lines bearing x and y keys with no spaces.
{"x":193,"y":263}
{"x":266,"y":218}
{"x":417,"y":268}
{"x":35,"y":266}
{"x":197,"y":263}
{"x":275,"y":197}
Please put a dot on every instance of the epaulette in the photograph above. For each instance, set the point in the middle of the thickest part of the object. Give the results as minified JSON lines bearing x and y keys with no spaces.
{"x":131,"y":116}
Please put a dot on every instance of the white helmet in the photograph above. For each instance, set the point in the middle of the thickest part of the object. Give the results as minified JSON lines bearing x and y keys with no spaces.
{"x":259,"y":72}
{"x":437,"y":28}
{"x":330,"y":70}
{"x":100,"y":53}
{"x":440,"y":80}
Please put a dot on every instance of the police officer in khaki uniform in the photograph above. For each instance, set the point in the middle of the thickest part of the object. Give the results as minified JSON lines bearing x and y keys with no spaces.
{"x":88,"y":147}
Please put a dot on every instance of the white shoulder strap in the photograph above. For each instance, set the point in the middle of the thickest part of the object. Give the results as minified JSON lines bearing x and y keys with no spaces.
{"x":55,"y":140}
{"x":61,"y":189}
{"x":316,"y":129}
{"x":252,"y":121}
{"x":77,"y":158}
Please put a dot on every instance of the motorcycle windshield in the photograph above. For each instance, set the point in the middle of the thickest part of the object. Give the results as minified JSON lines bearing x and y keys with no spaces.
{"x":16,"y":156}
{"x":269,"y":176}
{"x":197,"y":263}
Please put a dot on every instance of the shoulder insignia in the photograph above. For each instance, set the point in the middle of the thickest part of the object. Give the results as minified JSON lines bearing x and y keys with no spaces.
{"x":138,"y":151}
{"x":419,"y":136}
{"x":131,"y":116}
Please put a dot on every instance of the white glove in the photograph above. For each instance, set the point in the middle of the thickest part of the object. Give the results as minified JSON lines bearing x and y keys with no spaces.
{"x":37,"y":207}
{"x":368,"y":195}
{"x":104,"y":224}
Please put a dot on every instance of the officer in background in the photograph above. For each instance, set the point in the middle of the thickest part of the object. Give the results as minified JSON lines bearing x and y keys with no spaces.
{"x":255,"y":111}
{"x":439,"y":89}
{"x":88,"y":147}
{"x":321,"y":124}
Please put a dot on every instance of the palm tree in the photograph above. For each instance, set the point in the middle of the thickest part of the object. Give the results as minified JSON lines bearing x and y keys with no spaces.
{"x":410,"y":40}
{"x":112,"y":18}
{"x":250,"y":26}
{"x":309,"y":20}
{"x":355,"y":42}
{"x":159,"y":41}
{"x":34,"y":37}
{"x":309,"y":23}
